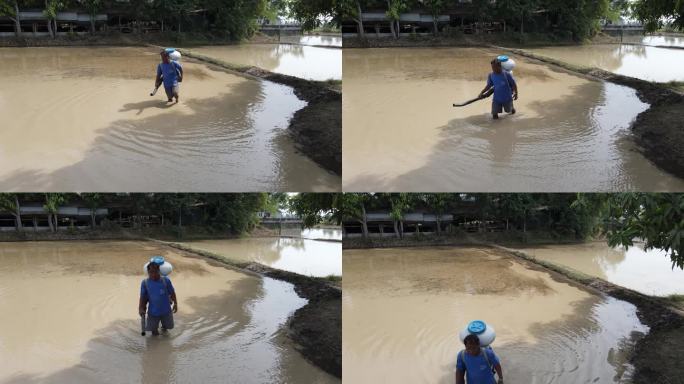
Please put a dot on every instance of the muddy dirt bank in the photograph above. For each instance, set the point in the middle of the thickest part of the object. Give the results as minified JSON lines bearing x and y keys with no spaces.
{"x":316,"y":328}
{"x":658,"y":129}
{"x":458,"y":239}
{"x":462,"y":40}
{"x":316,"y":128}
{"x":167,"y":233}
{"x":656,"y":356}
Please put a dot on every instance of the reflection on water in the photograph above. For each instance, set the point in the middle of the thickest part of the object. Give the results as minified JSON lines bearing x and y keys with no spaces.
{"x":303,"y":256}
{"x":70,"y":316}
{"x":402,"y":134}
{"x":86,"y":122}
{"x":326,"y":40}
{"x":314,"y":63}
{"x":662,"y":40}
{"x":649,"y":272}
{"x":403,"y":309}
{"x":643,"y":62}
{"x":322,"y":233}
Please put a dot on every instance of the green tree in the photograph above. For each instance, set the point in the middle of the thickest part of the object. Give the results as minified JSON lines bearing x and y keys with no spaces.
{"x":312,"y":13}
{"x":93,"y":7}
{"x":441,"y":204}
{"x":51,"y":206}
{"x":351,"y":10}
{"x":93,"y":202}
{"x":10,"y":9}
{"x":656,"y":218}
{"x":394,"y":11}
{"x":10,"y":202}
{"x":654,"y":13}
{"x":315,"y":208}
{"x":436,"y":7}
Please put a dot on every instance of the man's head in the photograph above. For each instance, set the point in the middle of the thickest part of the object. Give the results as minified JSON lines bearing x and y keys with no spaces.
{"x":472,"y":344}
{"x":153,"y":271}
{"x":496,"y":66}
{"x":164,"y":56}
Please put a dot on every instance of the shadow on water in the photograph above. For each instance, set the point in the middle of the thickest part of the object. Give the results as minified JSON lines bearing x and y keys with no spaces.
{"x":578,"y":143}
{"x":231,"y":336}
{"x":143,"y":105}
{"x":237,"y":141}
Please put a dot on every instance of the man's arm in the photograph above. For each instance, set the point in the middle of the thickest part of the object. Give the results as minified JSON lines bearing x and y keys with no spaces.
{"x":175,"y":301}
{"x":158,"y":79}
{"x":460,"y":377}
{"x":497,"y":368}
{"x":487,"y":87}
{"x":514,"y":87}
{"x":142,"y":305}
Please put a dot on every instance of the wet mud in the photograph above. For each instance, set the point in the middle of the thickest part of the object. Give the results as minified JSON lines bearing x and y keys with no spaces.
{"x":104,"y":123}
{"x":404,"y":308}
{"x":570,"y":132}
{"x":229,"y":325}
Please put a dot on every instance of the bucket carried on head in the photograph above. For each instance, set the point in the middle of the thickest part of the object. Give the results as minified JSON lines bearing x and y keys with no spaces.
{"x":165,"y":268}
{"x":173,"y":54}
{"x":507,"y":63}
{"x":482,"y":330}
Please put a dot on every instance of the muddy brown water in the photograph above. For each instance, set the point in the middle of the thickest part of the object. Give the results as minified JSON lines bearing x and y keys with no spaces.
{"x":307,"y":62}
{"x":82,"y":119}
{"x":403,"y":309}
{"x":299,"y":255}
{"x":649,"y":272}
{"x":69,"y":315}
{"x":643,"y":62}
{"x":401,"y":132}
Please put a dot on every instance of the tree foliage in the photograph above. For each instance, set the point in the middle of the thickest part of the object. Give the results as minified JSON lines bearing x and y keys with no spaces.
{"x":655,"y":13}
{"x":656,"y":218}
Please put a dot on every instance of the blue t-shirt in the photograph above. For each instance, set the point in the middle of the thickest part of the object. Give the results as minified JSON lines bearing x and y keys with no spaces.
{"x":158,"y":297}
{"x":477,"y":371}
{"x":169,"y":72}
{"x":503,"y":86}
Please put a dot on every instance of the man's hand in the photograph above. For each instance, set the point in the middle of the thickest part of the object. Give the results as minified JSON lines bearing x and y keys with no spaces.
{"x":175,"y":307}
{"x":500,"y":381}
{"x":515,"y":96}
{"x":141,"y":311}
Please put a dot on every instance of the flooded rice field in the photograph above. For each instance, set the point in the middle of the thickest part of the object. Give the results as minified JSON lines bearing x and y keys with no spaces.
{"x":307,"y":62}
{"x":299,"y":255}
{"x":643,"y":62}
{"x":83,"y":119}
{"x":70,"y":316}
{"x":403,"y":309}
{"x":649,"y":272}
{"x":401,"y":132}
